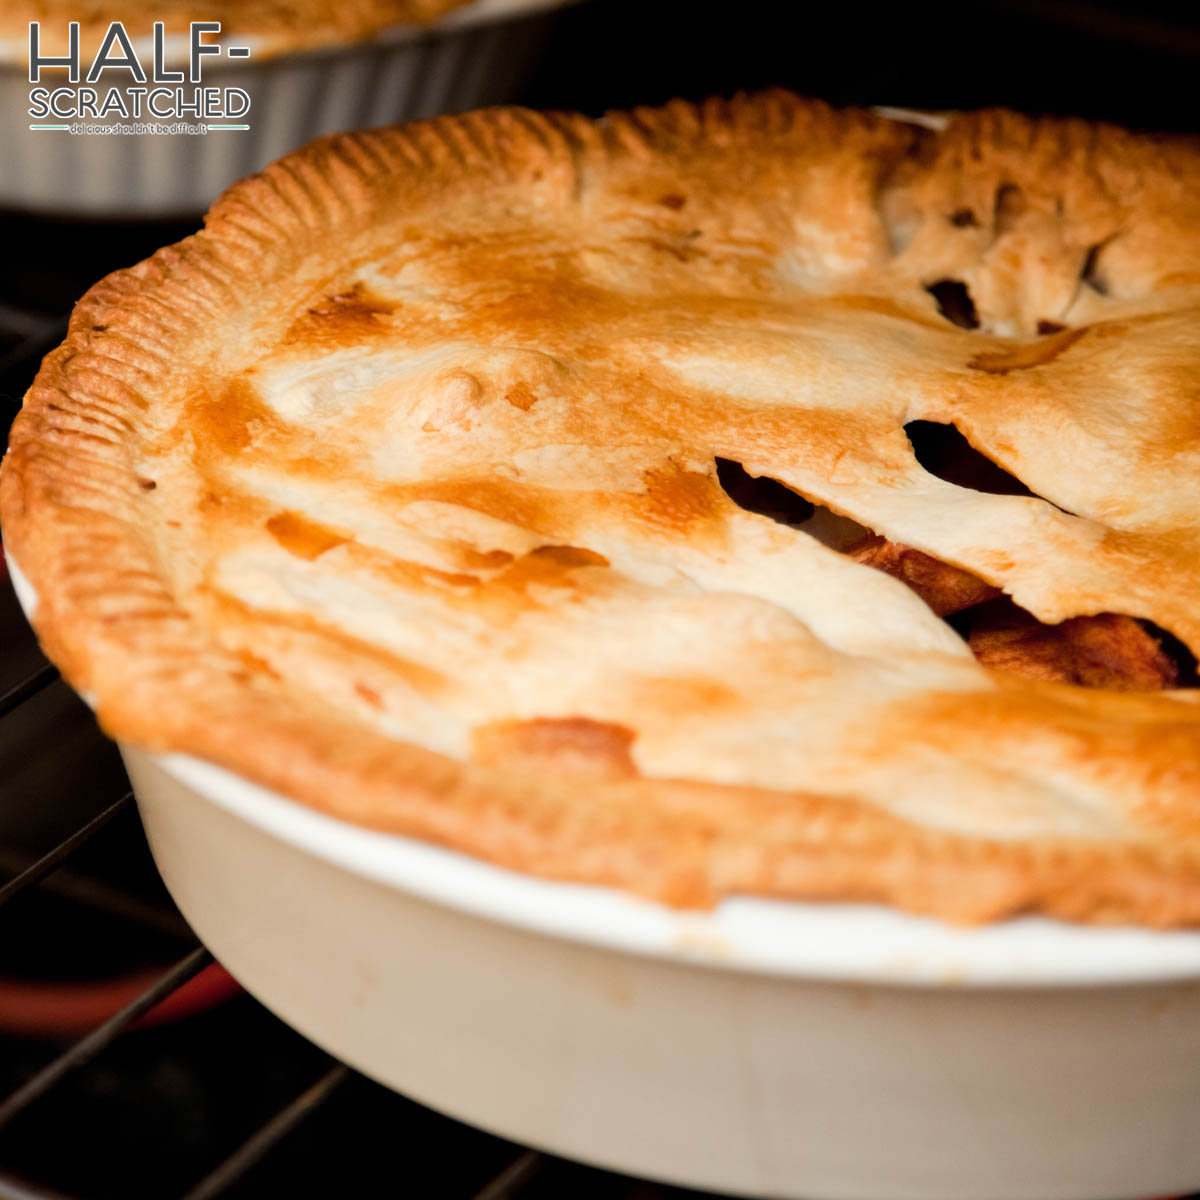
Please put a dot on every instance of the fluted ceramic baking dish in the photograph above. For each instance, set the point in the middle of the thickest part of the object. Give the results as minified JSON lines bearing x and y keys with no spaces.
{"x":476,"y":56}
{"x":771,"y":1049}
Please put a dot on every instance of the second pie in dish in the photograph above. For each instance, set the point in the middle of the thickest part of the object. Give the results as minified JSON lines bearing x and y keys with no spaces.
{"x":270,"y":28}
{"x":746,"y":497}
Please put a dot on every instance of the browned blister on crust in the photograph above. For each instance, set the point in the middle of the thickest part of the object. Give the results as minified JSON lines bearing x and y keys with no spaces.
{"x":396,"y":489}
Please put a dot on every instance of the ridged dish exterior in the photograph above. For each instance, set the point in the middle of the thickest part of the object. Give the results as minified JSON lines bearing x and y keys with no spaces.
{"x":294,"y":99}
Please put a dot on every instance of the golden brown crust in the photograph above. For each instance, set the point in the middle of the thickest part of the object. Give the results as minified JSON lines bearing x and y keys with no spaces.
{"x":394,"y":489}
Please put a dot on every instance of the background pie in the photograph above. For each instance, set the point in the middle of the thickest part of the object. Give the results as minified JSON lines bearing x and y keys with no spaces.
{"x":274,"y":27}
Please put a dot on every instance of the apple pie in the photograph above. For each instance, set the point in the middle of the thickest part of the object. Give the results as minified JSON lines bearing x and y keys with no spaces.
{"x":745,"y":497}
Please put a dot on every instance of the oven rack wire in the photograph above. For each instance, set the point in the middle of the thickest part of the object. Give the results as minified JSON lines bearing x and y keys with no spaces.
{"x":514,"y":1179}
{"x":507,"y":1182}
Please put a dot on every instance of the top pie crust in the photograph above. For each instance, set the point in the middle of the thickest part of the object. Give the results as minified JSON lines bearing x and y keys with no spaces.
{"x":394,"y":490}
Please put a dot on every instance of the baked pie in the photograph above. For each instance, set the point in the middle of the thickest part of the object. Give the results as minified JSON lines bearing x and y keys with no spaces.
{"x":743,"y":497}
{"x":272,"y":28}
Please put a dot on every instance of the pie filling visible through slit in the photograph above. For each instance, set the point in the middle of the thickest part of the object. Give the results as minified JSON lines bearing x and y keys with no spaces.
{"x":1107,"y":650}
{"x":748,"y":497}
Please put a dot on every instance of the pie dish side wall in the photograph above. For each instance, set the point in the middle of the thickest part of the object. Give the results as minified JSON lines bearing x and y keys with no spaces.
{"x":684,"y":1061}
{"x":476,"y":57}
{"x":750,"y":1083}
{"x":846,"y":943}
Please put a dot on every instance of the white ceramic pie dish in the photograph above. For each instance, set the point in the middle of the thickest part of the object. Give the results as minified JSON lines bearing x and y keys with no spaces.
{"x":767,"y":1048}
{"x":476,"y":56}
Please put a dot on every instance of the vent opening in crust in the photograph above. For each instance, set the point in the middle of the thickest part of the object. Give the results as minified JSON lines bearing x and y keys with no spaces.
{"x":1089,"y":274}
{"x":763,"y":495}
{"x":943,"y":450}
{"x":944,"y":588}
{"x":954,"y":302}
{"x":1108,"y":650}
{"x":1186,"y":667}
{"x":769,"y":498}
